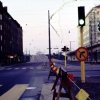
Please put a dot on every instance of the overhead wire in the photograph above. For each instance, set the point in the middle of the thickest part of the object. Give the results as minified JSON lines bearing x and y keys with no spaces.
{"x":55,"y":30}
{"x":58,"y":10}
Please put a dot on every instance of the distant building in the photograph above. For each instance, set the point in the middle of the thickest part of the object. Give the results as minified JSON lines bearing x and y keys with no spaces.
{"x":91,"y":34}
{"x":11,"y":41}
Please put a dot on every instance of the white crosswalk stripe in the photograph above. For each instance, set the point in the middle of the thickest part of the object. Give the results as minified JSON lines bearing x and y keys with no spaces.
{"x":31,"y":68}
{"x":2,"y":68}
{"x":39,"y":67}
{"x":30,"y":88}
{"x":24,"y":68}
{"x":16,"y":68}
{"x":14,"y":93}
{"x":8,"y":68}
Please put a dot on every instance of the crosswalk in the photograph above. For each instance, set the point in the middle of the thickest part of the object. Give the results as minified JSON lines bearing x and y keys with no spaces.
{"x":22,"y":68}
{"x":15,"y":92}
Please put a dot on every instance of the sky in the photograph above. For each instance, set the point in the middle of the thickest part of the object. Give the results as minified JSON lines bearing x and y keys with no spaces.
{"x":32,"y":15}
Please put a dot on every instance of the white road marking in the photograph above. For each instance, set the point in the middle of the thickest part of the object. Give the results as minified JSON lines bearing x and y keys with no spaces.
{"x":39,"y":67}
{"x":14,"y":93}
{"x":8,"y":68}
{"x":31,"y":68}
{"x":16,"y":68}
{"x":24,"y":68}
{"x":2,"y":68}
{"x":31,"y":88}
{"x":92,"y":75}
{"x":0,"y":85}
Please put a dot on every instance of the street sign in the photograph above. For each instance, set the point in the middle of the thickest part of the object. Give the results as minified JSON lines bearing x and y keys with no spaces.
{"x":82,"y":54}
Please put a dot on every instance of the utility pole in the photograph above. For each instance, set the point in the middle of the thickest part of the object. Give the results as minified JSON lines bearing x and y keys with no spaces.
{"x":49,"y":36}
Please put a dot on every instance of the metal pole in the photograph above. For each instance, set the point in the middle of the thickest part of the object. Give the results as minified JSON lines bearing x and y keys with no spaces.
{"x":65,"y":60}
{"x":70,"y":45}
{"x":82,"y":62}
{"x":49,"y":36}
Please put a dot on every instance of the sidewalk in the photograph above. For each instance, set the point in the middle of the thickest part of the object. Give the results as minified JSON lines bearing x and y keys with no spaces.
{"x":47,"y":94}
{"x":91,"y":86}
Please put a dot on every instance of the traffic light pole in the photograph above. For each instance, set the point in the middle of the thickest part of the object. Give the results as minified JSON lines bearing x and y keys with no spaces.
{"x":65,"y":59}
{"x":82,"y":62}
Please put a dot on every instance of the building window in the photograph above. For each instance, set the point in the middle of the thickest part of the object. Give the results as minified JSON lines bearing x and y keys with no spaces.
{"x":0,"y":17}
{"x":0,"y":27}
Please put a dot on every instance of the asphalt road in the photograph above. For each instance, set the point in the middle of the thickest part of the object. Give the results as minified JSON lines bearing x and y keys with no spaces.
{"x":33,"y":74}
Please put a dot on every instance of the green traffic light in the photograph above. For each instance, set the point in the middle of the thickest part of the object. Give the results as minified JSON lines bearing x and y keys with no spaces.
{"x":81,"y":22}
{"x":81,"y":16}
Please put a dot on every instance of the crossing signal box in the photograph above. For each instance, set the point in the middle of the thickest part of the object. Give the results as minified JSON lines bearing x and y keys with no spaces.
{"x":81,"y":16}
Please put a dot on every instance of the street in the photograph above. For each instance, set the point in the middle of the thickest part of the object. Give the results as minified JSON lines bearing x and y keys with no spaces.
{"x":33,"y":75}
{"x":30,"y":74}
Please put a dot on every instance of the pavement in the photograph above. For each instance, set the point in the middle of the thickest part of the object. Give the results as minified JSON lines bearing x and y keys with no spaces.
{"x":47,"y":94}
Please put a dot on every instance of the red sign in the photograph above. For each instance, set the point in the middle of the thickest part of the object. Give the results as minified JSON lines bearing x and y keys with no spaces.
{"x":82,"y":54}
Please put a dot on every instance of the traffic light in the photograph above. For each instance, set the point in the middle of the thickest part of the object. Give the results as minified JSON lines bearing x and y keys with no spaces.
{"x":67,"y":49}
{"x":81,"y":16}
{"x":99,"y":26}
{"x":64,"y":49}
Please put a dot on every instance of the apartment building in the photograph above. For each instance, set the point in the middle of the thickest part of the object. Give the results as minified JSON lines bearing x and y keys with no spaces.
{"x":91,"y":34}
{"x":11,"y":38}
